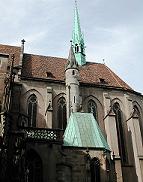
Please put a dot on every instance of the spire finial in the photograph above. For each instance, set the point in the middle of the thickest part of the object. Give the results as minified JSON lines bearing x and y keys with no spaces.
{"x":23,"y":41}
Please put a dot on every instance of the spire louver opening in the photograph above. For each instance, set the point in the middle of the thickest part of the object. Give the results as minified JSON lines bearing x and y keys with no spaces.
{"x":78,"y":39}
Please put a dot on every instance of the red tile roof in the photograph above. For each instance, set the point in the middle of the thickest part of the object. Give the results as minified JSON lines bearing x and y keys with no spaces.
{"x":53,"y":68}
{"x":91,"y":73}
{"x":7,"y":49}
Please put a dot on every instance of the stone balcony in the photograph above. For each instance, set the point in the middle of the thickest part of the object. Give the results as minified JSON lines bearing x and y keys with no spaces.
{"x":43,"y":134}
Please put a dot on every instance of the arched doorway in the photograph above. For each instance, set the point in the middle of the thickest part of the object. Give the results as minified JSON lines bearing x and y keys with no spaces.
{"x":33,"y":171}
{"x":95,"y":169}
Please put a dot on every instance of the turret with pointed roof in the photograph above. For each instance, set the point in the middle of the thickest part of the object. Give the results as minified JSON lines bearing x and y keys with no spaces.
{"x":72,"y":84}
{"x":78,"y":39}
{"x":72,"y":63}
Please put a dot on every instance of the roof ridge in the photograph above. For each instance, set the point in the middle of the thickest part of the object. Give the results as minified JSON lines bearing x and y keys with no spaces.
{"x":60,"y":58}
{"x":32,"y":54}
{"x":10,"y":45}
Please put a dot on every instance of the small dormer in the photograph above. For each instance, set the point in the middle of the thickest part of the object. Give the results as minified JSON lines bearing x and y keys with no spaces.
{"x":102,"y":81}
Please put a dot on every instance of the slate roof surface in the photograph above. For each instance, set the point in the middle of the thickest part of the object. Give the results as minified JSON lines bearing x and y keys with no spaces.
{"x":83,"y":131}
{"x":53,"y":68}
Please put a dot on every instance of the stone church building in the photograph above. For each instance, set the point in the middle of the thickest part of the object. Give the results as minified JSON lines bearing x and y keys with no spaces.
{"x":67,"y":120}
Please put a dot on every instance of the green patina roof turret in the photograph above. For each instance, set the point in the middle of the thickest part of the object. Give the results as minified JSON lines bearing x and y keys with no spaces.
{"x":78,"y":39}
{"x":83,"y":131}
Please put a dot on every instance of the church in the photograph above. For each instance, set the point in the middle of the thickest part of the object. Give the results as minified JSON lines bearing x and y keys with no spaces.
{"x":67,"y":120}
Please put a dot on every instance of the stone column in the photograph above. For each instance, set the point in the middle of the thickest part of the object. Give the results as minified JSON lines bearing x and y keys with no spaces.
{"x":49,"y":108}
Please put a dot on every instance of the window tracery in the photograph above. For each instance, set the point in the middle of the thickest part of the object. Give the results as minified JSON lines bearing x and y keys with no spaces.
{"x":61,"y":114}
{"x":92,"y":108}
{"x":32,"y":110}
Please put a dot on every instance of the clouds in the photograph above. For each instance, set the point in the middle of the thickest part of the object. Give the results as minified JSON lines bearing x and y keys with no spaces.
{"x":113,"y":30}
{"x":117,"y":36}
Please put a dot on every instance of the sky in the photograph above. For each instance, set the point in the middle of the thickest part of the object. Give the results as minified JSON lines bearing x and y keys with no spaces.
{"x":113,"y":31}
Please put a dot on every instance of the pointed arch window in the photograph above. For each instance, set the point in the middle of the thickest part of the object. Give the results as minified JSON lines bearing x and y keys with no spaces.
{"x":76,"y":48}
{"x":120,"y":132}
{"x":95,"y":170}
{"x":92,"y":108}
{"x":61,"y":114}
{"x":32,"y":110}
{"x":136,"y":114}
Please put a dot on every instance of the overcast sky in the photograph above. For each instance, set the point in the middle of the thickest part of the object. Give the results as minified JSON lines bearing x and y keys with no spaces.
{"x":113,"y":31}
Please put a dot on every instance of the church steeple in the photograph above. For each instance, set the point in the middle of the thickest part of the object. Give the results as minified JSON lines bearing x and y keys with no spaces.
{"x":78,"y":39}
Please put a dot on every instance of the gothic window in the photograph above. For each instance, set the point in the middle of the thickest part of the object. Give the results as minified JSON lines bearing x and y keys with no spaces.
{"x":76,"y":48}
{"x":136,"y":114}
{"x":61,"y":114}
{"x":32,"y":110}
{"x":120,"y":131}
{"x":33,"y":167}
{"x":92,"y":108}
{"x":95,"y":170}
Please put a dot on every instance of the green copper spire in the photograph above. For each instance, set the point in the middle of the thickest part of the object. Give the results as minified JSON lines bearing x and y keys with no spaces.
{"x":78,"y":39}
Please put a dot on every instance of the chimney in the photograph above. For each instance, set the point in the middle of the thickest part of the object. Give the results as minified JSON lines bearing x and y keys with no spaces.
{"x":21,"y":52}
